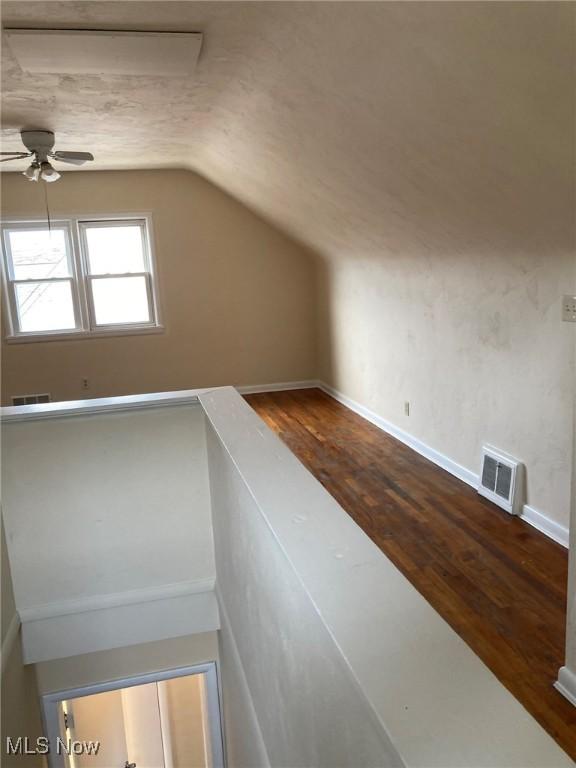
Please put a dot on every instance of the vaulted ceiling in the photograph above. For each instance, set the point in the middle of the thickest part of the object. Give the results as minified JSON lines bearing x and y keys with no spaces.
{"x":356,"y":126}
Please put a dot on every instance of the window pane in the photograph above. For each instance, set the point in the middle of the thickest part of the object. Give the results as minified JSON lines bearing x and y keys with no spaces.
{"x":115,"y":249}
{"x":120,"y":300}
{"x":38,"y":253}
{"x":45,"y":306}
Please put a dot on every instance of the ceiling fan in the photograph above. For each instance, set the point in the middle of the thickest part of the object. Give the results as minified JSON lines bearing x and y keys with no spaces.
{"x":40,"y":145}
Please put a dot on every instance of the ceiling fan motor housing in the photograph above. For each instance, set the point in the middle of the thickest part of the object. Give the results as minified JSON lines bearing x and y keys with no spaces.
{"x":40,"y":142}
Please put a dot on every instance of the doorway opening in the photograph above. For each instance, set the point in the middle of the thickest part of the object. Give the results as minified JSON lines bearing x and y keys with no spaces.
{"x":166,"y":719}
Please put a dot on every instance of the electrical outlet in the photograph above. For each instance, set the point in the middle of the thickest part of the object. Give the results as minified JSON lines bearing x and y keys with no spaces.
{"x":85,"y":384}
{"x":407,"y":408}
{"x":569,"y":309}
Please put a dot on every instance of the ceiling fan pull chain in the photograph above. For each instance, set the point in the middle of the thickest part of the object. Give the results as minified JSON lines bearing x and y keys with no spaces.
{"x":47,"y":208}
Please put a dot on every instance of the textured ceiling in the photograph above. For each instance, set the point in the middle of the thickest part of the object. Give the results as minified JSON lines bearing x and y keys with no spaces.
{"x":355,"y":126}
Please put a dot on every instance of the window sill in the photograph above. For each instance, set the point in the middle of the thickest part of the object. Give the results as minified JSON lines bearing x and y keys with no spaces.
{"x":34,"y":338}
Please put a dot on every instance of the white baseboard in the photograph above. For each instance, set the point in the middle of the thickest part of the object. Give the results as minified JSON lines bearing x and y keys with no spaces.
{"x":9,"y":640}
{"x":566,"y":684}
{"x":412,"y":442}
{"x":530,"y":515}
{"x":281,"y":386}
{"x":116,"y":599}
{"x":553,"y":530}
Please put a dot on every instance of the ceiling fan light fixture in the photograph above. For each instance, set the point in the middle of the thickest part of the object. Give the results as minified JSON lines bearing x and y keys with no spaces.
{"x":32,"y":173}
{"x":40,"y":145}
{"x":48,"y":173}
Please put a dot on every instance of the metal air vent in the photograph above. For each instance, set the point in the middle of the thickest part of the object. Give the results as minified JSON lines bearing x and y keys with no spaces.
{"x":500,"y":480}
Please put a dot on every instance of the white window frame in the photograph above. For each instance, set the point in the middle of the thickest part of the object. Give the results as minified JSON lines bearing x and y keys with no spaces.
{"x":80,"y":279}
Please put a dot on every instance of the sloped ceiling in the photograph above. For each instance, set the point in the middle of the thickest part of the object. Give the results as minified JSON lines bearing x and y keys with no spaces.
{"x":355,"y":126}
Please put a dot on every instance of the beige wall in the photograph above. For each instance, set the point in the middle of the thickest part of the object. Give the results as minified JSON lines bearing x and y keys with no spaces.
{"x":100,"y":718}
{"x":8,"y":602}
{"x":143,"y":726}
{"x":473,"y":340}
{"x":19,"y":704}
{"x":237,"y":296}
{"x":20,"y":710}
{"x":185,"y":698}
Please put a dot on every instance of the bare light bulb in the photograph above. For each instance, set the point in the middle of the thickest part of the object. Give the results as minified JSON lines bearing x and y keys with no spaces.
{"x":32,"y":173}
{"x":48,"y":173}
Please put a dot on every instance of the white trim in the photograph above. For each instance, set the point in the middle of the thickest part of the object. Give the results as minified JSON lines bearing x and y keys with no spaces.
{"x":58,"y":409}
{"x":55,"y":410}
{"x":120,"y":330}
{"x":23,"y":218}
{"x":253,"y":389}
{"x":116,"y":599}
{"x":9,"y":640}
{"x":50,"y":703}
{"x":164,"y":712}
{"x":77,"y":250}
{"x":538,"y":520}
{"x":119,"y":626}
{"x":545,"y":525}
{"x":566,"y":684}
{"x":10,"y":303}
{"x":204,"y":711}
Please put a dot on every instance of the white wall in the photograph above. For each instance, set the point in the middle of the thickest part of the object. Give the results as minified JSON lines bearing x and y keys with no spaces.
{"x":130,"y":661}
{"x":106,"y":509}
{"x":298,"y":680}
{"x":473,"y":340}
{"x":245,"y":747}
{"x":571,"y":624}
{"x":454,"y":239}
{"x":345,"y":663}
{"x":567,"y":673}
{"x":146,"y":621}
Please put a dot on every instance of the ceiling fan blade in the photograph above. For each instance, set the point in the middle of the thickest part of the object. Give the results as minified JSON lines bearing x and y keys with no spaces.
{"x":13,"y":157}
{"x":75,"y":158}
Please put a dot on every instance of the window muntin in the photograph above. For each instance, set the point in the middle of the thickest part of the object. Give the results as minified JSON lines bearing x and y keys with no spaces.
{"x":81,"y":277}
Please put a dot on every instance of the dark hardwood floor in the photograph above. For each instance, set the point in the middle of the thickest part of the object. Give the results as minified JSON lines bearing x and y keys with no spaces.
{"x":498,"y":582}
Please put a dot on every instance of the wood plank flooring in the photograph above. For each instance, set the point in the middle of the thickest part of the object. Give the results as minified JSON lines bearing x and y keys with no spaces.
{"x":498,"y":582}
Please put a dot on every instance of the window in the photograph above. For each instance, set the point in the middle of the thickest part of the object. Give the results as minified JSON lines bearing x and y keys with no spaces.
{"x":80,"y":277}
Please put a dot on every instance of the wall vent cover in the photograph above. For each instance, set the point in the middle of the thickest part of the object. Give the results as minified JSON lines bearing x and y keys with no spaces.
{"x":30,"y":399}
{"x":500,"y":480}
